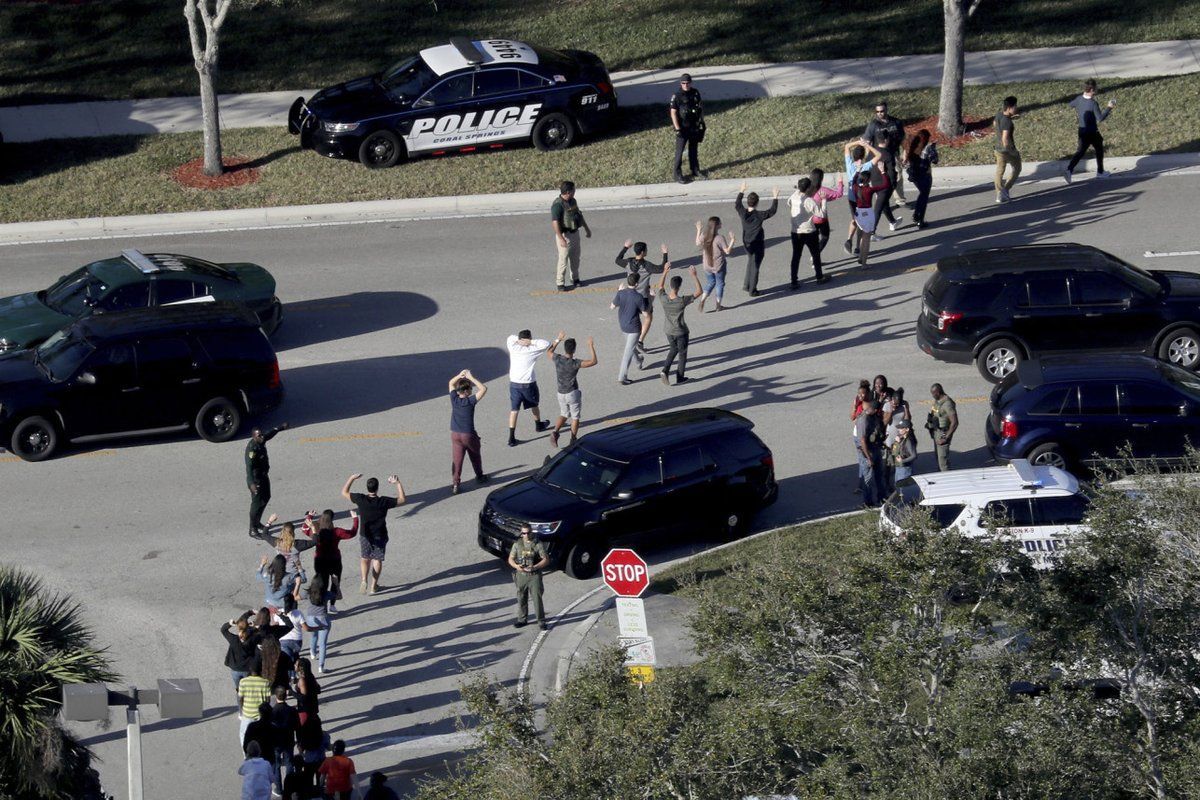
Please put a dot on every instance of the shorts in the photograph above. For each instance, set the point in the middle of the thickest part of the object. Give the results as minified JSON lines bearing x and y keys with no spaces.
{"x":523,"y":395}
{"x":864,"y":218}
{"x":569,"y":404}
{"x":371,"y":550}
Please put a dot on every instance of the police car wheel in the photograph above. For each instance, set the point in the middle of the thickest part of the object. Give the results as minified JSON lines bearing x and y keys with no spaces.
{"x":380,"y":150}
{"x":583,"y":560}
{"x":553,"y":132}
{"x":218,"y":420}
{"x":34,"y":439}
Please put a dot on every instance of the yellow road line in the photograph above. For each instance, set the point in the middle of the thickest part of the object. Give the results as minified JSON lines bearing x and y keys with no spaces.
{"x":918,"y":269}
{"x":356,"y":436}
{"x":973,"y":400}
{"x":92,"y":454}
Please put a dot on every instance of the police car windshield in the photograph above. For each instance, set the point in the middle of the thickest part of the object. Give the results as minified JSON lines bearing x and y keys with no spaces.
{"x":408,"y":78}
{"x":581,"y":473}
{"x":69,"y":296}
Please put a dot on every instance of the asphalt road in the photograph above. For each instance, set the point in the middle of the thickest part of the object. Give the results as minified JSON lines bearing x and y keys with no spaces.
{"x":150,"y":536}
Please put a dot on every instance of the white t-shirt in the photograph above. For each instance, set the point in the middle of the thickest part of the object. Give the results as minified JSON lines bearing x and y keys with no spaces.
{"x":523,"y":357}
{"x":296,"y":634}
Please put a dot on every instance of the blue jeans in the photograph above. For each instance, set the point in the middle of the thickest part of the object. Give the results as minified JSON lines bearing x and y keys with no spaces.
{"x":714,"y":284}
{"x":318,"y":644}
{"x":291,"y":647}
{"x":903,"y":472}
{"x":869,"y":475}
{"x":629,"y":354}
{"x":237,"y":677}
{"x":283,"y":758}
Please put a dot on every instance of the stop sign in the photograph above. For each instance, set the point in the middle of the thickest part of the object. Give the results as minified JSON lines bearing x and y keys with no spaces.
{"x":625,"y":572}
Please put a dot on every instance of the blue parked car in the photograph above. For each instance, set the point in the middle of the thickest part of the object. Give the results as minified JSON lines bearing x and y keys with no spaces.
{"x":1068,"y":410}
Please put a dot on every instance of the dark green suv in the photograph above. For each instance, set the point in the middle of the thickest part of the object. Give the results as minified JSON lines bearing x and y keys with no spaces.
{"x":135,"y":280}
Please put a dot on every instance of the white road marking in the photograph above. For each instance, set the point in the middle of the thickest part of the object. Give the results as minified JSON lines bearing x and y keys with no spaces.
{"x":1175,"y":254}
{"x":523,"y":675}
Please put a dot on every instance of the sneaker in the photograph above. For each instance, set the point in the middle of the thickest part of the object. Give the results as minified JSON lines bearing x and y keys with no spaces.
{"x":541,"y":425}
{"x":848,"y":247}
{"x":681,"y":179}
{"x":378,"y":587}
{"x":754,"y":292}
{"x":512,"y":442}
{"x":554,"y":438}
{"x":680,"y":379}
{"x":1066,"y":173}
{"x":1000,"y":196}
{"x":823,"y":279}
{"x":894,"y":225}
{"x":641,"y":359}
{"x":794,"y":285}
{"x":665,"y":378}
{"x":519,"y":623}
{"x":703,"y":300}
{"x":362,"y":587}
{"x":482,"y":479}
{"x":575,"y":284}
{"x":639,"y":347}
{"x":877,"y":237}
{"x":454,"y":488}
{"x":562,"y":288}
{"x":625,"y":382}
{"x":1104,"y":174}
{"x":701,"y":175}
{"x":542,"y":624}
{"x":332,"y":609}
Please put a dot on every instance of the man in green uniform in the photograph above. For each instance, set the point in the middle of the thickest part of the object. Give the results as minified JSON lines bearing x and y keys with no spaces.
{"x":528,"y":557}
{"x":258,"y":479}
{"x":944,"y":417}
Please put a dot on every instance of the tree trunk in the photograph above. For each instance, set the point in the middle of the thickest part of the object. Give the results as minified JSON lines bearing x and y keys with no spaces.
{"x":212,"y":127}
{"x":950,"y":100}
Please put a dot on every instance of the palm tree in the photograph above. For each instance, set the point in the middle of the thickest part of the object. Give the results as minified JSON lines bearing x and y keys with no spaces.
{"x":43,"y":645}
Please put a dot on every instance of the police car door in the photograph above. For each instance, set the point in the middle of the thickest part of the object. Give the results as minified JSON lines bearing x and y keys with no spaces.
{"x":1057,"y":519}
{"x":1014,"y":518}
{"x":440,"y":114}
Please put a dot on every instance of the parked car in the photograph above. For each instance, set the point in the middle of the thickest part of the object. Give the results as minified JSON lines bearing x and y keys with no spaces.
{"x":459,"y":97}
{"x":135,"y":280}
{"x":1066,"y":410}
{"x":1004,"y":305}
{"x":1039,"y":506}
{"x":141,"y":372}
{"x":639,"y":482}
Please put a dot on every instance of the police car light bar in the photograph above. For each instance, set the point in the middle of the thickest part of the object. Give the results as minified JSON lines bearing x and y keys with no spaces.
{"x":139,"y":260}
{"x":1024,"y":470}
{"x":467,"y":49}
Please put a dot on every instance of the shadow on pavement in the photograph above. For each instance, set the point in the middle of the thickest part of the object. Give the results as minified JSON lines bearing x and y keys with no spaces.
{"x":331,"y":318}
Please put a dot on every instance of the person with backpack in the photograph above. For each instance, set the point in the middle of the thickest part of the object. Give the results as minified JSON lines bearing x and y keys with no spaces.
{"x":868,"y":440}
{"x":865,"y":216}
{"x":860,"y":156}
{"x":328,"y":560}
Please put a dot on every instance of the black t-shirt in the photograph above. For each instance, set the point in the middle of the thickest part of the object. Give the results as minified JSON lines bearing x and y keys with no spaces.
{"x":1005,"y":123}
{"x":687,"y":106}
{"x":462,"y":413}
{"x":373,"y":512}
{"x":566,"y":369}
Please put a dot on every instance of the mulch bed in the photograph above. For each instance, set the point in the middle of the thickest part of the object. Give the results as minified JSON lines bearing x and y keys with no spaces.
{"x":975,"y":128}
{"x":238,"y":172}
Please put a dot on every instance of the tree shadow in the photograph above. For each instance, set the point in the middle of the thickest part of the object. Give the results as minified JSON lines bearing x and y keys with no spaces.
{"x":330,"y":318}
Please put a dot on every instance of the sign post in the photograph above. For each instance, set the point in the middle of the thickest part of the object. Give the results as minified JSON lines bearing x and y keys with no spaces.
{"x":626,"y":573}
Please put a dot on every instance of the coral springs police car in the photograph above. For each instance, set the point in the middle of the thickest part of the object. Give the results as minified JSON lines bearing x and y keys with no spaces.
{"x":460,"y":97}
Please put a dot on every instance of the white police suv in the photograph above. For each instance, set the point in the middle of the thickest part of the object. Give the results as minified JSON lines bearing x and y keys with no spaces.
{"x":460,"y":97}
{"x":1040,"y":507}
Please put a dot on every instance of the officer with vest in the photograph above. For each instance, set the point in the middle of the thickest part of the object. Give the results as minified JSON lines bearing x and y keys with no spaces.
{"x":687,"y":118}
{"x":942,"y":423}
{"x":258,"y":479}
{"x":528,"y":557}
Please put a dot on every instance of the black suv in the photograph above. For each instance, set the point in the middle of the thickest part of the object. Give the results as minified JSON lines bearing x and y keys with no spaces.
{"x":146,"y":371}
{"x":1065,"y":410}
{"x":641,"y":481}
{"x":1004,"y":305}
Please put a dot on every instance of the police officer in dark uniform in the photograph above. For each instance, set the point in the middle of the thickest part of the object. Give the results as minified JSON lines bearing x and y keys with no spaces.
{"x":258,"y":479}
{"x":687,"y":118}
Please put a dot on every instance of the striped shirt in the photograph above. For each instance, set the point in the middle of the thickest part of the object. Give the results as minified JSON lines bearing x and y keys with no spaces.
{"x":253,"y":691}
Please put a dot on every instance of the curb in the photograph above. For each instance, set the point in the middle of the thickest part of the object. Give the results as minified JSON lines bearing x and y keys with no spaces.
{"x":489,"y":205}
{"x":567,"y":653}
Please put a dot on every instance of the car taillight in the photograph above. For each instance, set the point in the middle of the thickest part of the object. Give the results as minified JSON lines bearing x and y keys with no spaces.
{"x":604,"y":87}
{"x":275,"y":382}
{"x":948,"y":318}
{"x":1008,"y":429}
{"x":768,"y":461}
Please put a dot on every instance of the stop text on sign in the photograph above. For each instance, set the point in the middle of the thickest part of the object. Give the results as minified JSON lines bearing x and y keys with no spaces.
{"x":625,"y":572}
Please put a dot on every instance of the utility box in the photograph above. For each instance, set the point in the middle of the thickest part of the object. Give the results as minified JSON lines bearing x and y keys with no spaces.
{"x":180,"y":697}
{"x":85,"y":702}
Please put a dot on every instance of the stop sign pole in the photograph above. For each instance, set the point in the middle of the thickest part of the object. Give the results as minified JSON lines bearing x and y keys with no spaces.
{"x":626,"y":573}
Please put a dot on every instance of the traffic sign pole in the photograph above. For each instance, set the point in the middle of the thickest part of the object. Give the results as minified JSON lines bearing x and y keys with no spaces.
{"x":626,"y":573}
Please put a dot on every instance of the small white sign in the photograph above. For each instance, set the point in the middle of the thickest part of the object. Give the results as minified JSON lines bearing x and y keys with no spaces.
{"x":631,"y":616}
{"x":638,"y":650}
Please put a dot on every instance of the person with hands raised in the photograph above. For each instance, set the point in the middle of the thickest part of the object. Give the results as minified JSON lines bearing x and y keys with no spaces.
{"x":465,"y":391}
{"x":673,"y":305}
{"x":374,"y":538}
{"x":566,"y":368}
{"x":753,"y":238}
{"x":641,"y":267}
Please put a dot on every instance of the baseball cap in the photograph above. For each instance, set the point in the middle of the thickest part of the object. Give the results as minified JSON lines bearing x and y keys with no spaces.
{"x":903,"y":425}
{"x":685,"y":77}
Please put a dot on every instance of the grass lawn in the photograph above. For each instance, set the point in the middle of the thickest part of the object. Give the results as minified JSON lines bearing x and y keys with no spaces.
{"x":785,"y":136}
{"x":831,"y":543}
{"x":106,"y":49}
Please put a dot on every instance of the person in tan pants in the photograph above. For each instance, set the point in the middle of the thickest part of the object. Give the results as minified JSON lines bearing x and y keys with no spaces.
{"x":566,"y":219}
{"x":1006,"y":149}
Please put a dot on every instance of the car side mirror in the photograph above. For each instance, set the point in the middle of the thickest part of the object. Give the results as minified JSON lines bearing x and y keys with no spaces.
{"x":423,"y":103}
{"x":87,"y":377}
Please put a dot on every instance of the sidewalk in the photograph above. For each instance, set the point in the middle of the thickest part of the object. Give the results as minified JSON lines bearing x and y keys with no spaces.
{"x":268,"y":109}
{"x":485,"y":205}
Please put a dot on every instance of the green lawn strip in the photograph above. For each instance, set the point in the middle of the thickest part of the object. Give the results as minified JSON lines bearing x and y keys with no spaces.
{"x":785,"y":136}
{"x":831,"y":543}
{"x":139,"y":48}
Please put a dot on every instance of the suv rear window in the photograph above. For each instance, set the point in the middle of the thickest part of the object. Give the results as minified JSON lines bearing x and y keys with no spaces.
{"x":959,"y":296}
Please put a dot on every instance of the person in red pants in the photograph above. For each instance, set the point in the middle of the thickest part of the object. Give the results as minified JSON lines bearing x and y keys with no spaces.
{"x":465,"y":392}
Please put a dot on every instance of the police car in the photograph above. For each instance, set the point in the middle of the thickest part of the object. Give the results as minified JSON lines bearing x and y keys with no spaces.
{"x":459,"y":97}
{"x":1039,"y":507}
